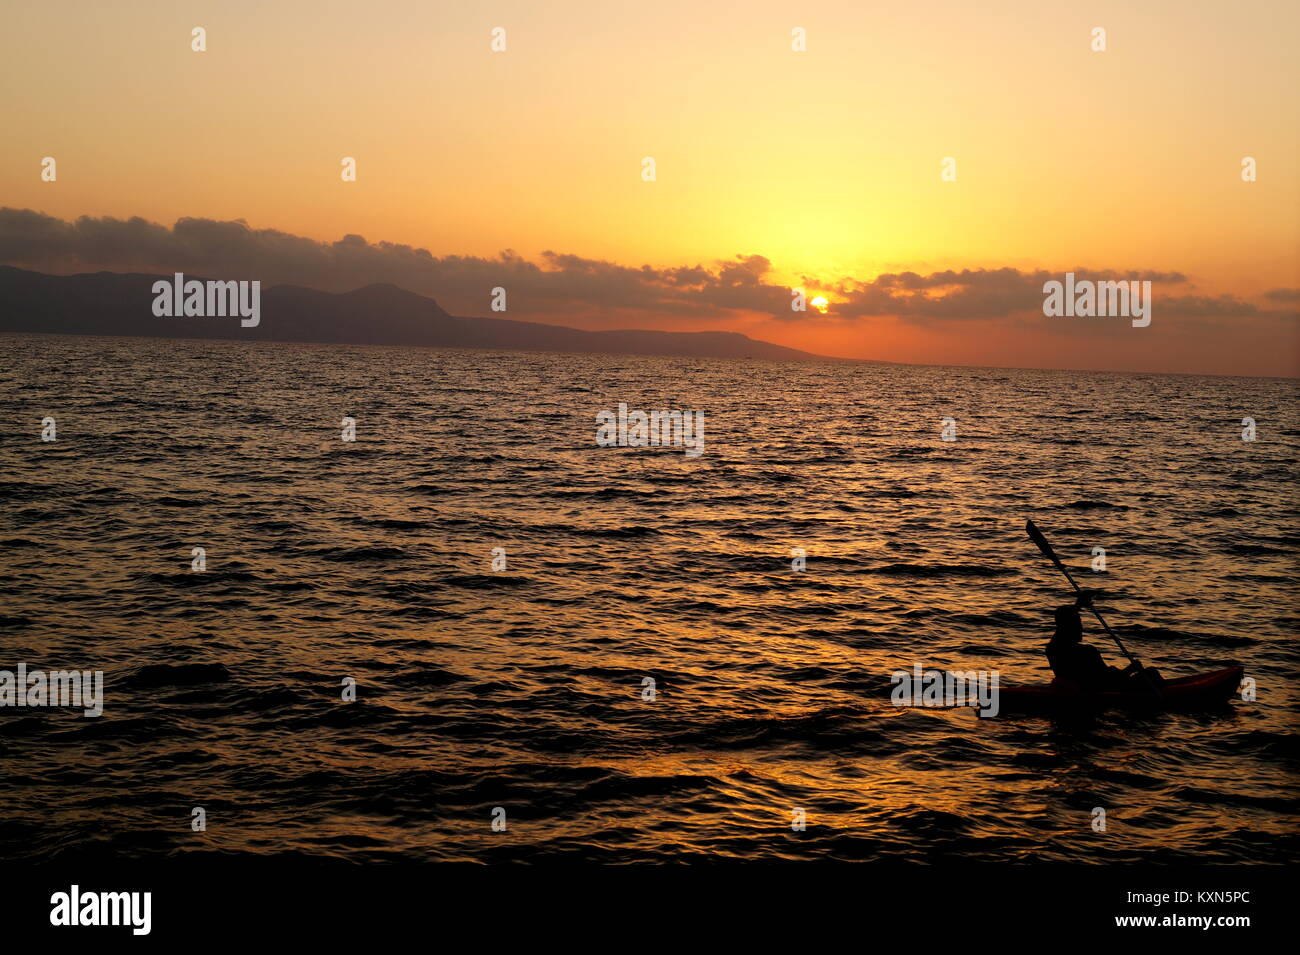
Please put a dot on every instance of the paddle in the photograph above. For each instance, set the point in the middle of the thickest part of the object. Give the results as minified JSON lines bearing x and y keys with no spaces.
{"x":1037,"y":537}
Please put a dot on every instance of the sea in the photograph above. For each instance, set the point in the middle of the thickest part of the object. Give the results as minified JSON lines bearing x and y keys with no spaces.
{"x":459,"y":628}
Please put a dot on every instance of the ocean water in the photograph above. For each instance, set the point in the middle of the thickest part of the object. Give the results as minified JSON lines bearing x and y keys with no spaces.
{"x":523,"y":688}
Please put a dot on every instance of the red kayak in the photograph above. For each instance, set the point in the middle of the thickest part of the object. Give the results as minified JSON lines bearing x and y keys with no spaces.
{"x":1189,"y":692}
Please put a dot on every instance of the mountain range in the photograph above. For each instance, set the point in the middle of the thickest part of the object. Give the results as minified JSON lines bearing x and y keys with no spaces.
{"x":115,"y":303}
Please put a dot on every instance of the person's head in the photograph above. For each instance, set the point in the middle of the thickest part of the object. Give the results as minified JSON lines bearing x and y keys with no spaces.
{"x":1069,"y":628}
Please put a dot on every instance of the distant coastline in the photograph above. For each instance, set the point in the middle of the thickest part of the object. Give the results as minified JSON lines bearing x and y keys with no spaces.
{"x":120,"y":304}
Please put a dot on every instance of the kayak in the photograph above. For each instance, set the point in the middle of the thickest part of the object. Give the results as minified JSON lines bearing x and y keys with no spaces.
{"x":1189,"y":692}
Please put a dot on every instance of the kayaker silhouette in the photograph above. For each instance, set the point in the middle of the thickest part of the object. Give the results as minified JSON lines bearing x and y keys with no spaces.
{"x":1079,"y":663}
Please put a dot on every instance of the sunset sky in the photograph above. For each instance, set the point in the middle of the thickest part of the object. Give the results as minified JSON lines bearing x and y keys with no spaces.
{"x":775,"y":168}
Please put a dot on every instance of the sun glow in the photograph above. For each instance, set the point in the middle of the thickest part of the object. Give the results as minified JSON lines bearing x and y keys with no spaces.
{"x":820,"y":303}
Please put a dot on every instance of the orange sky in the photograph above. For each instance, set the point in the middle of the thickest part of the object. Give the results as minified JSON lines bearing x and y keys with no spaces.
{"x":826,"y":162}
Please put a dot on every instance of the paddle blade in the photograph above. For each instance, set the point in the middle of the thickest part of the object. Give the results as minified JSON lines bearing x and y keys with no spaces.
{"x":1037,"y":537}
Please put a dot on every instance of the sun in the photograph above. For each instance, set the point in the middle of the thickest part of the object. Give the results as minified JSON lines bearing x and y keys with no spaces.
{"x":820,"y":303}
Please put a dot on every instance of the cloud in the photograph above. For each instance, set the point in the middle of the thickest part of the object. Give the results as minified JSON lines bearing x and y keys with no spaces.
{"x":557,"y":284}
{"x":969,"y":293}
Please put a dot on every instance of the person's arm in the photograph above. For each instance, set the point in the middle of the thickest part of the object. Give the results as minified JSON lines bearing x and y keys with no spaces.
{"x":1092,"y":659}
